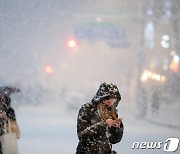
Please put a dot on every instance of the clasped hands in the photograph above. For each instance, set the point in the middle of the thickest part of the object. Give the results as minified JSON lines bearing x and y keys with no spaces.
{"x":114,"y":123}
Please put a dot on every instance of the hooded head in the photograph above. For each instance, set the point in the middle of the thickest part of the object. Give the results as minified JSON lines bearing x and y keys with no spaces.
{"x":107,"y":91}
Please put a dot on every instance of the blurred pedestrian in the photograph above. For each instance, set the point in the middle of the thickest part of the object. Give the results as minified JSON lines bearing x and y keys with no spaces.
{"x":98,"y":125}
{"x":155,"y":102}
{"x":7,"y":114}
{"x":143,"y":100}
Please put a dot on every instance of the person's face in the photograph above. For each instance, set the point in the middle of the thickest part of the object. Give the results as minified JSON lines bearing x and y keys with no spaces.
{"x":110,"y":102}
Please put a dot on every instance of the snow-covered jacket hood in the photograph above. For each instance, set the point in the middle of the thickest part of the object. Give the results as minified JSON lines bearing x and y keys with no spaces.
{"x":106,"y":91}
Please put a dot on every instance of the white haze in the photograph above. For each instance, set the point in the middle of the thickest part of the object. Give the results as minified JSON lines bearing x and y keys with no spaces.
{"x":34,"y":34}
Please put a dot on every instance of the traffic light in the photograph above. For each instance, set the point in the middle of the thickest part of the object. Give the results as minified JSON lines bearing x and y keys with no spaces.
{"x":72,"y":43}
{"x":48,"y":69}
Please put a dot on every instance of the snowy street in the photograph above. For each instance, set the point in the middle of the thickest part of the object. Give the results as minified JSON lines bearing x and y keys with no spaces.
{"x":57,"y":55}
{"x":53,"y":130}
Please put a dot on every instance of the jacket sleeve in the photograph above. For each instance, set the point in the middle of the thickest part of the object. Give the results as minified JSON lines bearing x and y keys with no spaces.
{"x":115,"y":134}
{"x":85,"y":130}
{"x":11,"y":114}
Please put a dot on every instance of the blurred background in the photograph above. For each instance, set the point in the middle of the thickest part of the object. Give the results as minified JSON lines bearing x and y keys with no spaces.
{"x":58,"y":52}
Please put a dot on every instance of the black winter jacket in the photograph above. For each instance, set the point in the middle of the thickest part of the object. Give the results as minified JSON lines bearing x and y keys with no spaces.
{"x":94,"y":135}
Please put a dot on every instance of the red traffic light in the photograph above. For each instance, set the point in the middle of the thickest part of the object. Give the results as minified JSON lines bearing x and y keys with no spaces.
{"x":72,"y":43}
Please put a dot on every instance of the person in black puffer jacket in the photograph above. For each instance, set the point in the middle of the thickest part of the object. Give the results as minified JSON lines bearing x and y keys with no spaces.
{"x":98,"y":125}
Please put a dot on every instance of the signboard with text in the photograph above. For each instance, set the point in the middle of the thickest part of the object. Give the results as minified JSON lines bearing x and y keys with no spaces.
{"x":115,"y":36}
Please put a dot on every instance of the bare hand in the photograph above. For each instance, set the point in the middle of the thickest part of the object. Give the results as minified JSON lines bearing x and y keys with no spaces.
{"x":117,"y":123}
{"x":110,"y":122}
{"x":114,"y":123}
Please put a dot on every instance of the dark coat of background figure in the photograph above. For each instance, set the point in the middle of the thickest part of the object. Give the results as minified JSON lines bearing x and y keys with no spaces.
{"x":5,"y":92}
{"x":95,"y":137}
{"x":10,"y":114}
